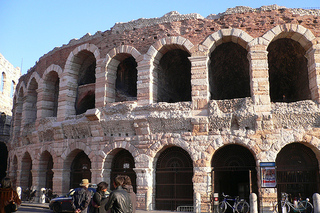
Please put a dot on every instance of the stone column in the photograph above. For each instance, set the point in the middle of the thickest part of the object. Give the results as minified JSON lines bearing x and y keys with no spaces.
{"x":57,"y":182}
{"x":146,"y":84}
{"x":36,"y":181}
{"x":68,"y":92}
{"x":259,"y":74}
{"x":202,"y":184}
{"x":145,"y":192}
{"x":100,"y":91}
{"x":200,"y":93}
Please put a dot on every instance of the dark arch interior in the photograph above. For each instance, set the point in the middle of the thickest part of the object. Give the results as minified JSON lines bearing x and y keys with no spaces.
{"x":80,"y":169}
{"x":123,"y":164}
{"x":174,"y":77}
{"x":297,"y":171}
{"x":86,"y":82}
{"x":174,"y":185}
{"x":126,"y":82}
{"x":3,"y":155}
{"x":229,"y":72}
{"x":52,"y":83}
{"x":233,"y":166}
{"x":288,"y":71}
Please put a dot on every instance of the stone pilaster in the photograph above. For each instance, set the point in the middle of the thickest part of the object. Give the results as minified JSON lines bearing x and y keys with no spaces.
{"x":145,"y":199}
{"x":146,"y":82}
{"x":202,"y":185}
{"x":259,"y":74}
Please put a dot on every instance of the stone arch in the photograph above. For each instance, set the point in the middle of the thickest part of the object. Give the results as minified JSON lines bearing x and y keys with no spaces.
{"x":226,"y":35}
{"x":71,"y":180}
{"x":298,"y":162}
{"x":3,"y":79}
{"x":18,"y":110}
{"x":82,"y":58}
{"x":293,"y":31}
{"x":114,"y":59}
{"x":76,"y":146}
{"x":235,"y":172}
{"x":30,"y":105}
{"x":173,"y":177}
{"x":49,"y":92}
{"x":228,"y":64}
{"x":306,"y":85}
{"x":175,"y":52}
{"x":45,"y":173}
{"x":26,"y":170}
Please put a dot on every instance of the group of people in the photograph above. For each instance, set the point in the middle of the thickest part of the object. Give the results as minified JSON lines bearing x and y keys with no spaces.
{"x":8,"y":196}
{"x":120,"y":200}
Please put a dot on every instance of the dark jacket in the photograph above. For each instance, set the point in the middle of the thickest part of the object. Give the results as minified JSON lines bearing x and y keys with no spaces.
{"x":129,"y":189}
{"x":100,"y":199}
{"x":81,"y":199}
{"x":119,"y":201}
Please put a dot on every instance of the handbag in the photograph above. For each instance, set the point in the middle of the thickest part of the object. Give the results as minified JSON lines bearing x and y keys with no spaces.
{"x":94,"y":203}
{"x":11,"y":206}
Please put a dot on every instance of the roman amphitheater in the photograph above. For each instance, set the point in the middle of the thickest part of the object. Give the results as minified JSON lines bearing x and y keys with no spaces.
{"x":185,"y":105}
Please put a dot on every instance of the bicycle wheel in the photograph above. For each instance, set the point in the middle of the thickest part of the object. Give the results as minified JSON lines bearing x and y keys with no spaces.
{"x":242,"y":207}
{"x":222,"y":207}
{"x":284,"y":208}
{"x":305,"y":206}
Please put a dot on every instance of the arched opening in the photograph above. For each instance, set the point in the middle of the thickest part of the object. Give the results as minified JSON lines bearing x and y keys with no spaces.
{"x":297,"y":171}
{"x":174,"y":186}
{"x":2,"y":81}
{"x":26,"y":174}
{"x":80,"y":169}
{"x":45,"y":170}
{"x":288,"y":71}
{"x":174,"y":77}
{"x":126,"y":82}
{"x":31,"y":102}
{"x":86,"y":82}
{"x":3,"y":157}
{"x":235,"y":172}
{"x":123,"y":164}
{"x":229,"y":76}
{"x":51,"y":90}
{"x":17,"y":116}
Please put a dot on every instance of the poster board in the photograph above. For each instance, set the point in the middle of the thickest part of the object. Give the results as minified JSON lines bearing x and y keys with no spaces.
{"x":268,"y":174}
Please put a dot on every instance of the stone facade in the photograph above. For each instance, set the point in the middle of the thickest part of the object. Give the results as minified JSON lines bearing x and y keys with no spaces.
{"x":8,"y":79}
{"x":206,"y":89}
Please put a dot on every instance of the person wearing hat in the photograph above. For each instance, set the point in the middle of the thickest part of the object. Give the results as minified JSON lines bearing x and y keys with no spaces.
{"x":81,"y":197}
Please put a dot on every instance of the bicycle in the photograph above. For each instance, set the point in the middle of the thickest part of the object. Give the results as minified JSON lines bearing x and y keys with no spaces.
{"x":239,"y":205}
{"x":298,"y":206}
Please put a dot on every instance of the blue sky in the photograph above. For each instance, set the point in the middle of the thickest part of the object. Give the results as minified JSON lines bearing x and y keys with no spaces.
{"x":31,"y":28}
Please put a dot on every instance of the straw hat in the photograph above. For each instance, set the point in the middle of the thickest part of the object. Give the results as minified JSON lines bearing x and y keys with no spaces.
{"x":84,"y":182}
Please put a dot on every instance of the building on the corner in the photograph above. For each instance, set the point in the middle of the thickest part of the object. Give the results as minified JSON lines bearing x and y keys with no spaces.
{"x":9,"y":77}
{"x":184,"y":105}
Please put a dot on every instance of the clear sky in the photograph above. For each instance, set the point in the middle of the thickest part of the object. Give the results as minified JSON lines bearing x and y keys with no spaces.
{"x":31,"y":28}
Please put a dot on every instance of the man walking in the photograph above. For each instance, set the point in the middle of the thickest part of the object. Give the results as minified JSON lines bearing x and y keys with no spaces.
{"x":119,"y":200}
{"x":81,"y":197}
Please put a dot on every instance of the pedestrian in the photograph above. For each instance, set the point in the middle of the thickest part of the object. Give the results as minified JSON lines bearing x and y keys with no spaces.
{"x":119,"y":199}
{"x":81,"y":197}
{"x":127,"y":185}
{"x":99,"y":199}
{"x":9,"y":198}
